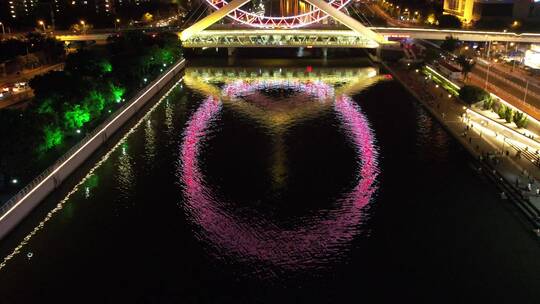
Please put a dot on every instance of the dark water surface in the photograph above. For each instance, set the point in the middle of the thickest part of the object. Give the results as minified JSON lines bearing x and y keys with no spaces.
{"x":270,"y":185}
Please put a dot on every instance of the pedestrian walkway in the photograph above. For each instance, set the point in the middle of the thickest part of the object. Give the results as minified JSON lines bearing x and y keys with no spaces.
{"x":497,"y":158}
{"x":529,"y":134}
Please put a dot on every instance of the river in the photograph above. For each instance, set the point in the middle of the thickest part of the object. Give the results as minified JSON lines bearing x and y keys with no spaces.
{"x":276,"y":181}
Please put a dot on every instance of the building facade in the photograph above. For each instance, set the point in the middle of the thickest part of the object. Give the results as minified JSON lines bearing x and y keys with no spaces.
{"x":12,"y":11}
{"x":474,"y":10}
{"x":19,"y":8}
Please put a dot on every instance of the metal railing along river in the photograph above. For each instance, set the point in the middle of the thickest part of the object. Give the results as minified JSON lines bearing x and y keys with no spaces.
{"x":52,"y":171}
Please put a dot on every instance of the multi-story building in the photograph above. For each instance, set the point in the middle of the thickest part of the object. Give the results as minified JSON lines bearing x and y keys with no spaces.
{"x":293,"y":7}
{"x":474,"y":10}
{"x":104,"y":6}
{"x":14,"y":9}
{"x":17,"y":10}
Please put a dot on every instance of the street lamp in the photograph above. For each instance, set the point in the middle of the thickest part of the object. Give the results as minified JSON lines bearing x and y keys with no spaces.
{"x":487,"y":75}
{"x":83,"y":26}
{"x":3,"y":30}
{"x":51,"y":8}
{"x":116,"y":24}
{"x":526,"y":91}
{"x":40,"y":22}
{"x":515,"y":53}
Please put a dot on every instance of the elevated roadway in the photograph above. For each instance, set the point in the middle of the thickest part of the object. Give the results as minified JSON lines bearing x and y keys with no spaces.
{"x":464,"y":35}
{"x":390,"y":32}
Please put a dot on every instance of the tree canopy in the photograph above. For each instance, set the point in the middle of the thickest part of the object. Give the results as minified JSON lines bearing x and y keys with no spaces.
{"x":450,"y":44}
{"x":466,"y":65}
{"x":472,"y":94}
{"x":74,"y":100}
{"x":52,"y":49}
{"x":449,"y":21}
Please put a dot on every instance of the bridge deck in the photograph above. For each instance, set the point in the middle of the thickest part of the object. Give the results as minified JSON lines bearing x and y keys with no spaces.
{"x":279,"y":38}
{"x":429,"y":34}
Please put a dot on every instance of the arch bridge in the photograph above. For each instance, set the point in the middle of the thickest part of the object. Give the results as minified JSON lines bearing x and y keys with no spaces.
{"x":268,"y":32}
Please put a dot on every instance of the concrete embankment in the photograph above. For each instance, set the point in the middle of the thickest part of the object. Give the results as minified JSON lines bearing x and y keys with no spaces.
{"x":449,"y":113}
{"x":19,"y":206}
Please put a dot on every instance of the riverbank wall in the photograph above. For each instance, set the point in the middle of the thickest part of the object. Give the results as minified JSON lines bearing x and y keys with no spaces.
{"x":21,"y":204}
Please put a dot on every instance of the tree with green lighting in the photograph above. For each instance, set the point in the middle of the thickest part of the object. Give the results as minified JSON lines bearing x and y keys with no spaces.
{"x":93,"y":84}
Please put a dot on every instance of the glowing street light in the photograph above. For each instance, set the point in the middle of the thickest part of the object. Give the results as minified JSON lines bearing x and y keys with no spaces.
{"x":42,"y":23}
{"x":3,"y":29}
{"x":83,"y":23}
{"x":487,"y":76}
{"x":116,"y":23}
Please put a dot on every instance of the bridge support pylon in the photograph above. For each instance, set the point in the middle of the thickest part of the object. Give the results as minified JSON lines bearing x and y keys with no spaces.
{"x":378,"y":52}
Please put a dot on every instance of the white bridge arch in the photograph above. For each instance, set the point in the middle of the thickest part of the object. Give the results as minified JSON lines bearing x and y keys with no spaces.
{"x":280,"y":32}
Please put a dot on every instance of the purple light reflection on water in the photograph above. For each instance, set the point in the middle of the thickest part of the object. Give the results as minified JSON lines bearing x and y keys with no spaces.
{"x":318,"y":89}
{"x":320,"y":238}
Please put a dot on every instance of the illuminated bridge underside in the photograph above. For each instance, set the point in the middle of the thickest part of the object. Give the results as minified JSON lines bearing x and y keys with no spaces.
{"x":346,"y":81}
{"x":327,"y":75}
{"x":279,"y":38}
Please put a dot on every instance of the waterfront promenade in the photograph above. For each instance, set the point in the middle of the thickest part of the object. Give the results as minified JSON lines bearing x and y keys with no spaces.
{"x":512,"y":173}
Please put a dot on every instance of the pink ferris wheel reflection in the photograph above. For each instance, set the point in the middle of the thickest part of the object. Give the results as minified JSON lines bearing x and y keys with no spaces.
{"x":318,"y":238}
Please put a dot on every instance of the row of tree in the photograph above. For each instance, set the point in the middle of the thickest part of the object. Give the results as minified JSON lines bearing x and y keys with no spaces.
{"x":69,"y":103}
{"x":507,"y":113}
{"x":473,"y":94}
